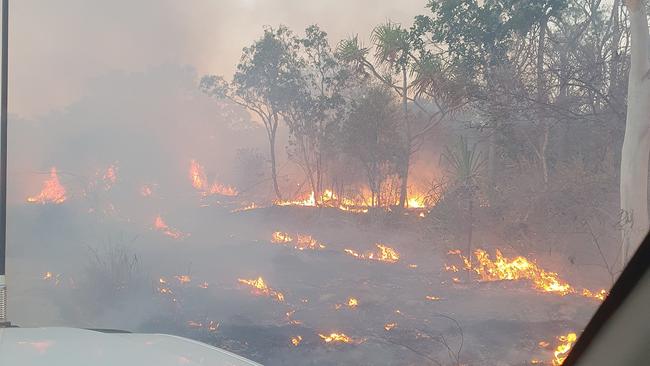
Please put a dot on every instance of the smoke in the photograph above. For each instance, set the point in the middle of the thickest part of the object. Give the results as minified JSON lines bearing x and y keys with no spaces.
{"x":57,"y":48}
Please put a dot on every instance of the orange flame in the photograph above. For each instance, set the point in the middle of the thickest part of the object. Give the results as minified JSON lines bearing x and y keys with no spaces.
{"x":296,"y":340}
{"x":160,"y":225}
{"x":200,"y":182}
{"x":384,"y":253}
{"x":110,"y":177}
{"x":519,"y":268}
{"x":302,"y":241}
{"x":336,"y":338}
{"x":51,"y":192}
{"x":562,"y":350}
{"x":259,"y":288}
{"x":389,"y":326}
{"x":183,"y":279}
{"x":279,"y":237}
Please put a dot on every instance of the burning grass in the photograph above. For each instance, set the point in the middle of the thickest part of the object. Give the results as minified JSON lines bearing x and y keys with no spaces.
{"x":259,"y":288}
{"x":334,"y":338}
{"x":160,"y":225}
{"x":200,"y":182}
{"x":519,"y":268}
{"x":51,"y":192}
{"x":301,"y":241}
{"x":383,"y":253}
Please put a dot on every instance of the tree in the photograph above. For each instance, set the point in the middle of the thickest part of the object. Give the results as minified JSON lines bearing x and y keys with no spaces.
{"x":266,"y":80}
{"x":404,"y":65}
{"x":314,"y":114}
{"x":636,"y":143}
{"x":371,"y":134}
{"x":465,"y":165}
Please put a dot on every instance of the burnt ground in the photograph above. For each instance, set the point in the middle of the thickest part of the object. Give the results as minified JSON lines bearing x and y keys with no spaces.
{"x":473,"y":323}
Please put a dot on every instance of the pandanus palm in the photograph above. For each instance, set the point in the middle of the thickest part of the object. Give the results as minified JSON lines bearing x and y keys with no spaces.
{"x":465,"y":164}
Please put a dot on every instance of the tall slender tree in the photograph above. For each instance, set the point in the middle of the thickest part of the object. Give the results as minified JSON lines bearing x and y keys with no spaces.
{"x":266,"y":81}
{"x":636,"y":144}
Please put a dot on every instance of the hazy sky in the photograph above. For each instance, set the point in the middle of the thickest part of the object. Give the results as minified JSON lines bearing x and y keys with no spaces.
{"x":58,"y":47}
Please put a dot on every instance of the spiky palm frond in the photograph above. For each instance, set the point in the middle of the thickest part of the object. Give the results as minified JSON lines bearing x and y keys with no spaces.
{"x":465,"y":162}
{"x":351,"y":51}
{"x":391,"y":42}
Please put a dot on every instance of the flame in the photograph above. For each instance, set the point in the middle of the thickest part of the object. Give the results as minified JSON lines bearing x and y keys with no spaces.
{"x":146,"y":191}
{"x":336,"y":338}
{"x":279,"y":237}
{"x":47,"y":276}
{"x":562,"y":350}
{"x":259,"y":287}
{"x":218,"y":188}
{"x":519,"y":268}
{"x":183,"y":279}
{"x":384,"y":253}
{"x":353,"y":303}
{"x":389,"y":326}
{"x":296,"y":340}
{"x":160,"y":225}
{"x":301,"y":242}
{"x":51,"y":192}
{"x":204,"y":285}
{"x":599,"y":295}
{"x":416,"y":202}
{"x":248,"y":207}
{"x":432,"y":298}
{"x":213,"y":326}
{"x":110,"y":177}
{"x":193,"y":324}
{"x":200,"y":182}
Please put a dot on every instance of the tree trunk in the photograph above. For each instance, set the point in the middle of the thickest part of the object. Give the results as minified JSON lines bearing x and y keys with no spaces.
{"x":274,"y":172}
{"x":542,"y":98}
{"x":636,"y":144}
{"x":404,"y":173}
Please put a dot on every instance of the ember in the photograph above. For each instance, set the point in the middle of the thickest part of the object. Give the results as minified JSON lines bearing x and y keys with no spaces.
{"x":389,"y":326}
{"x":51,"y":192}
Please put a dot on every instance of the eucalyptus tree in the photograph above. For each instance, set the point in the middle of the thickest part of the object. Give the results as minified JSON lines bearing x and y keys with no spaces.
{"x":636,"y":144}
{"x":265,"y":82}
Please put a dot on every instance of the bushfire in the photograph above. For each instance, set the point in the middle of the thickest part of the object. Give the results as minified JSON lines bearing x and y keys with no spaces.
{"x":519,"y":268}
{"x":51,"y":192}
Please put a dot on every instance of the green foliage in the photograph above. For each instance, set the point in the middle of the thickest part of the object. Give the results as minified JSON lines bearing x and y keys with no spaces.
{"x":465,"y":162}
{"x":478,"y":34}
